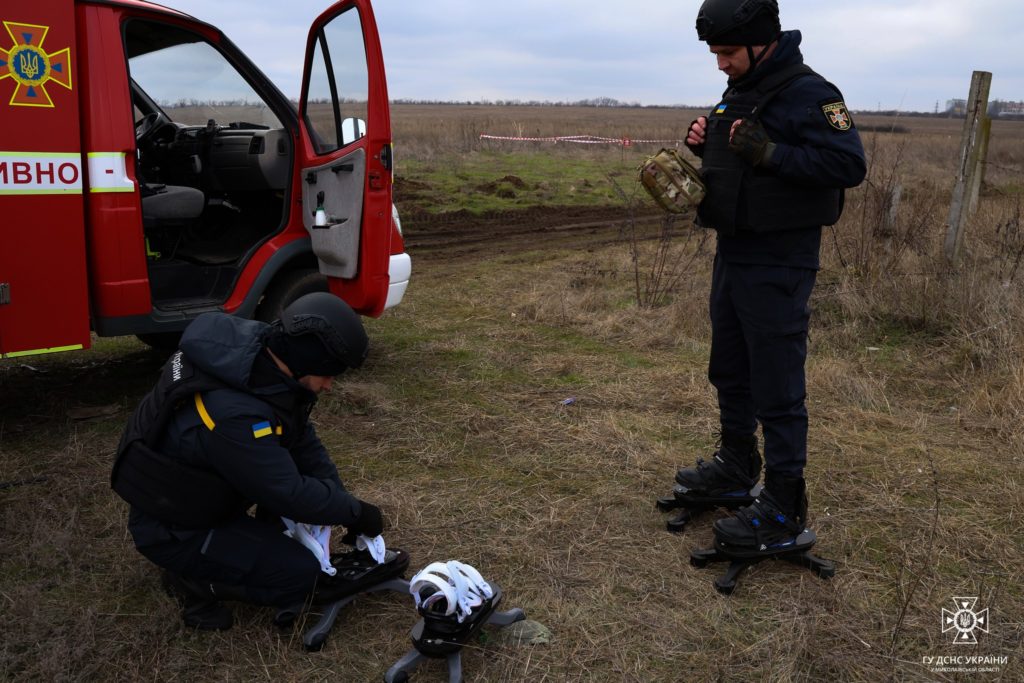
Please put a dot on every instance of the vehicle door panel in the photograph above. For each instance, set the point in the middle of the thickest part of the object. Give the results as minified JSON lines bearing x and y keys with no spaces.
{"x":345,"y":151}
{"x":336,"y":244}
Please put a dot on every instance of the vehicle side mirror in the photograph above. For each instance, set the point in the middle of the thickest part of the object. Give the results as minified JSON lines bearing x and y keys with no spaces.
{"x":351,"y":130}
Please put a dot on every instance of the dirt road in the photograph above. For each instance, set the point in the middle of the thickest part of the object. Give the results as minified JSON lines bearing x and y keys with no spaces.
{"x":461,"y":234}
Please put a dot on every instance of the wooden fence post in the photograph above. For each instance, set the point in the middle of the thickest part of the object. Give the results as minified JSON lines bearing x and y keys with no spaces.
{"x":968,"y":173}
{"x":892,"y":208}
{"x":979,"y":177}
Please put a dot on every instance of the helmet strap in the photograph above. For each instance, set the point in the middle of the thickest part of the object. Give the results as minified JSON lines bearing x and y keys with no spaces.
{"x":756,"y":59}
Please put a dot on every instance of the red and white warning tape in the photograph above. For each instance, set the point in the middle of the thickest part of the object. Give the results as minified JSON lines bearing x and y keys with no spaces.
{"x":578,"y":139}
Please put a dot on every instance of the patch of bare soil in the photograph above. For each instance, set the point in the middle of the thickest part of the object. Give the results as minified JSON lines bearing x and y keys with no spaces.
{"x":504,"y":187}
{"x":412,"y":193}
{"x":461,"y":234}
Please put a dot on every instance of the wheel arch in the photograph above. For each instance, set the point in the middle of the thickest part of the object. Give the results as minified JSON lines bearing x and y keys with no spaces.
{"x":296,"y":254}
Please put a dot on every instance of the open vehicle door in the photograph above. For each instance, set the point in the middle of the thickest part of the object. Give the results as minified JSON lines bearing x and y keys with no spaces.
{"x":44,"y":294}
{"x":345,"y":154}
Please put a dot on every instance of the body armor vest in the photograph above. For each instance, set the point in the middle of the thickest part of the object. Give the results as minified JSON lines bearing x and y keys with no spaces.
{"x":166,"y":487}
{"x":743,"y":197}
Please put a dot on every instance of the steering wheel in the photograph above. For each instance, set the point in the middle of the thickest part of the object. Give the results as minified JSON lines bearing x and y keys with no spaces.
{"x":147,"y":125}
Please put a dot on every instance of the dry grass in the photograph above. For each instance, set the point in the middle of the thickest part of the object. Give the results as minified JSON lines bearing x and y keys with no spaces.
{"x":456,"y":428}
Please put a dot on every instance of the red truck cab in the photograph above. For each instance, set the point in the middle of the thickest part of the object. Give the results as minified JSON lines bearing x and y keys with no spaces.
{"x":149,"y":172}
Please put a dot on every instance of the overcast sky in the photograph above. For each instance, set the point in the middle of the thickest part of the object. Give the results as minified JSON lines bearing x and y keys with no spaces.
{"x":888,"y":54}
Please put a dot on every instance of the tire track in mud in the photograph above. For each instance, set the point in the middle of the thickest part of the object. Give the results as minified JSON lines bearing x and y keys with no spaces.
{"x":461,"y":234}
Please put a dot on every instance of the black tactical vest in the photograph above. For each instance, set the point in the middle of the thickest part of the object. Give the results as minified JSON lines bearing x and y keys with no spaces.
{"x":743,"y":197}
{"x":171,"y":489}
{"x":165,"y":487}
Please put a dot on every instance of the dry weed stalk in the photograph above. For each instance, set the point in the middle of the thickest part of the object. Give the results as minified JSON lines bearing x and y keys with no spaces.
{"x":656,"y":281}
{"x":892,"y":220}
{"x":927,"y":565}
{"x":1011,"y":246}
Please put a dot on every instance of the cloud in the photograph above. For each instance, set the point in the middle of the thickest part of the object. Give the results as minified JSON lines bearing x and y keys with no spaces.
{"x":880,"y":52}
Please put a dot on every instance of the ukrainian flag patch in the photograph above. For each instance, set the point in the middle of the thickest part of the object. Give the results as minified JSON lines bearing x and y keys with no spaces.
{"x":261,"y":429}
{"x":721,"y":108}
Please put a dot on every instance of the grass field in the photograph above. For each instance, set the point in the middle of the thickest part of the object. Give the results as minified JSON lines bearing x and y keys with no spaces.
{"x":458,"y":427}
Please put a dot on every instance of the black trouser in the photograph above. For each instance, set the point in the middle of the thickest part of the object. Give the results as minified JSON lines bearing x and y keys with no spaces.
{"x":245,"y":552}
{"x":759,"y":319}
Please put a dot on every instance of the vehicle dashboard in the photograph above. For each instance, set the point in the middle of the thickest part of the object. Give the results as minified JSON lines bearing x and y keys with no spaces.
{"x":234,"y":157}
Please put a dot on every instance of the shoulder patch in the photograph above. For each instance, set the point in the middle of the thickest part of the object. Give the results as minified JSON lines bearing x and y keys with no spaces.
{"x":261,"y":429}
{"x":837,"y":115}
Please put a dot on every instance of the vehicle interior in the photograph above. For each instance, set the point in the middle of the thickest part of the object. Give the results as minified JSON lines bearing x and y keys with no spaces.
{"x":214,"y":163}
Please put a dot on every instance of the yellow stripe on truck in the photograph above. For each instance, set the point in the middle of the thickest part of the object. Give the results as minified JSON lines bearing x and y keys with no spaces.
{"x":39,"y":352}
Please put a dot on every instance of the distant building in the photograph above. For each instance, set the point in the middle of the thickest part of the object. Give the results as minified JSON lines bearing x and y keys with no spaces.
{"x":1008,"y":110}
{"x":956,"y":107}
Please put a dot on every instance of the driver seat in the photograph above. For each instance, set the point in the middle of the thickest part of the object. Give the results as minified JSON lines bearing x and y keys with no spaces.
{"x":171,"y":205}
{"x":168,"y":209}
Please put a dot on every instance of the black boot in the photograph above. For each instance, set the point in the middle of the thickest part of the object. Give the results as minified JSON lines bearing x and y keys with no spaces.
{"x":201,"y":604}
{"x":789,"y":492}
{"x":732,"y":472}
{"x":770,"y":524}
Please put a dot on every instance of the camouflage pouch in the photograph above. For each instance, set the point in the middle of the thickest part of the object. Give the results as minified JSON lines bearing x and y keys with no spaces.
{"x":673,"y":181}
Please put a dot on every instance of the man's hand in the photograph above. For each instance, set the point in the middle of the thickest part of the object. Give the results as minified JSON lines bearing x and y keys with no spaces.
{"x":750,"y":142}
{"x":695,"y":135}
{"x":370,"y":522}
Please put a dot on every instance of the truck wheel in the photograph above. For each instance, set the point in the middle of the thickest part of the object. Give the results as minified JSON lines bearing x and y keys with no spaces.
{"x":161,"y":341}
{"x":286,"y":289}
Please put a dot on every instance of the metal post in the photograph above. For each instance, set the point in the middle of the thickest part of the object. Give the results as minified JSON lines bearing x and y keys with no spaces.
{"x":967,"y":179}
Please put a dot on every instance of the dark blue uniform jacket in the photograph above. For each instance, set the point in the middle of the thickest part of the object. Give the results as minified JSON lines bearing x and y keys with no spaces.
{"x":255,"y":433}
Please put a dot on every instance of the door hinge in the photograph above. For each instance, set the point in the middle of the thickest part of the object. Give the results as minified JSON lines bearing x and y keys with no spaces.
{"x":5,"y":293}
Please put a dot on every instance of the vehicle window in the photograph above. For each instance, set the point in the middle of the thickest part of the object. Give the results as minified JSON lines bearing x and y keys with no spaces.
{"x":190,"y":80}
{"x":338,"y":91}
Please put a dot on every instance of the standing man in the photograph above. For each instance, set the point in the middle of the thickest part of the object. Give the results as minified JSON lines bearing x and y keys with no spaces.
{"x":778,"y":152}
{"x":227,"y":426}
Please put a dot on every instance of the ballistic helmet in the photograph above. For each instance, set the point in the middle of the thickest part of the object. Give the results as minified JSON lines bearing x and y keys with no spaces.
{"x":449,"y":588}
{"x":738,"y":22}
{"x":319,"y":334}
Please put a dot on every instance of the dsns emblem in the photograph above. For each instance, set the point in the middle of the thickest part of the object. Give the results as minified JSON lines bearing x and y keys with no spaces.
{"x":31,"y":67}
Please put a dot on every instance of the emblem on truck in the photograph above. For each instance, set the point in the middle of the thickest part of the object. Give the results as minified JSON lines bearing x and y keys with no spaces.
{"x":31,"y":67}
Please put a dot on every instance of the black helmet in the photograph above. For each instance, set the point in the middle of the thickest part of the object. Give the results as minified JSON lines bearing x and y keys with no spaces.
{"x":319,"y":334}
{"x":738,"y":22}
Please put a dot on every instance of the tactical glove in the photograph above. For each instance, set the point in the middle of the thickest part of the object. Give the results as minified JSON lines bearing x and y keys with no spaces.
{"x":370,"y":522}
{"x":750,"y":142}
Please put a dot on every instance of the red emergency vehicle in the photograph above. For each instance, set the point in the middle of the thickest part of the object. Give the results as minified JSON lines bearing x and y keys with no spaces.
{"x":149,"y":172}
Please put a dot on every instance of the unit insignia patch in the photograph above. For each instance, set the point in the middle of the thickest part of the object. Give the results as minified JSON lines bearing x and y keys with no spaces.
{"x":31,"y":67}
{"x":837,"y":115}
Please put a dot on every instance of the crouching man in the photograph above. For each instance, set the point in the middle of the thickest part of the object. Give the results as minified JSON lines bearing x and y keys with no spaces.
{"x":226,"y":427}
